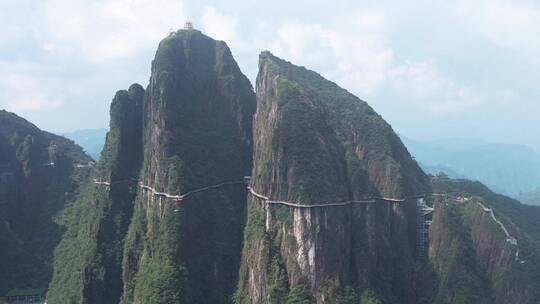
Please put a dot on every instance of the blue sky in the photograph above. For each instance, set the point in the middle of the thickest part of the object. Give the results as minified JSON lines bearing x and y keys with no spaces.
{"x":433,"y":69}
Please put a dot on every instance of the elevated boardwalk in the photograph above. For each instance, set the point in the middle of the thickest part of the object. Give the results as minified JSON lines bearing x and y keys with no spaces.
{"x":509,"y":238}
{"x":265,"y":199}
{"x":424,"y":211}
{"x":423,"y":219}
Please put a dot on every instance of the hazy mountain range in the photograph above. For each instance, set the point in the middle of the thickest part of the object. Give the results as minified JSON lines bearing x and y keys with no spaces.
{"x":505,"y":168}
{"x":531,"y":197}
{"x":92,"y":140}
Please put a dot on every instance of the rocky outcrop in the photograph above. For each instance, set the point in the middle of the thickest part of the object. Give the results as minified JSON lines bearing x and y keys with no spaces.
{"x":472,"y":258}
{"x":39,"y":175}
{"x":497,"y":258}
{"x":452,"y":254}
{"x":88,"y":260}
{"x":196,"y":133}
{"x":316,"y":143}
{"x":190,"y":129}
{"x":166,"y":217}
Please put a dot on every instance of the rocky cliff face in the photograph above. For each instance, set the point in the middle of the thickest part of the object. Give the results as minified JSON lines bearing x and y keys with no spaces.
{"x":88,"y":260}
{"x":460,"y":278}
{"x":316,"y":143}
{"x":38,"y":177}
{"x":166,"y":217}
{"x":197,"y":132}
{"x":472,"y":260}
{"x":190,"y":129}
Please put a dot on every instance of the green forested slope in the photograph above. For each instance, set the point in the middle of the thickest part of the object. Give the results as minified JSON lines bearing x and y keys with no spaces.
{"x":469,"y":251}
{"x":88,"y":260}
{"x":309,"y":142}
{"x":317,"y":143}
{"x":197,"y":132}
{"x":38,"y":179}
{"x":191,"y":129}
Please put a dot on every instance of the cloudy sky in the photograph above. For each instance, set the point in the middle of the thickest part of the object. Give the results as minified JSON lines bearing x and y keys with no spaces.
{"x":463,"y":68}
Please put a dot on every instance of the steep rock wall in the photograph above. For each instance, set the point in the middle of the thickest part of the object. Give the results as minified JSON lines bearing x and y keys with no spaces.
{"x":88,"y":260}
{"x":315,"y":143}
{"x":197,"y":132}
{"x":471,"y":258}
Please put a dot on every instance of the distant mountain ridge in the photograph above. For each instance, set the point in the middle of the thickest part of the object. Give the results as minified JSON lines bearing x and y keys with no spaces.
{"x":531,"y":197}
{"x":505,"y":168}
{"x":92,"y":140}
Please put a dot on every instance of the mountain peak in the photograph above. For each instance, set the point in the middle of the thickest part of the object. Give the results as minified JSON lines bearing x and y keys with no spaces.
{"x":317,"y":149}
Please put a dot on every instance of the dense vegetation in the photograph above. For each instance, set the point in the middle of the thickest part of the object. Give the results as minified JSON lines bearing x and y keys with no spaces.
{"x":312,"y":108}
{"x":88,"y":260}
{"x":197,"y":131}
{"x":38,"y":179}
{"x":313,"y":143}
{"x":190,"y":129}
{"x":471,"y":258}
{"x":460,"y":278}
{"x":316,"y":143}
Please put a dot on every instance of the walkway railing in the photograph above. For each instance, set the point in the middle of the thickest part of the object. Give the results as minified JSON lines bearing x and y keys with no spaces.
{"x":370,"y":200}
{"x":426,"y":209}
{"x":107,"y":183}
{"x":181,"y":197}
{"x":509,"y":238}
{"x":246,"y":179}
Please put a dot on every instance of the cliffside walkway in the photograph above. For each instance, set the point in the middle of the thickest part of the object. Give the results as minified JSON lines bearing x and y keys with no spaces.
{"x":296,"y":205}
{"x":107,"y":183}
{"x":99,"y":182}
{"x":423,"y":220}
{"x":423,"y":209}
{"x":370,"y":200}
{"x":509,"y":238}
{"x":246,"y":180}
{"x":181,"y":197}
{"x":88,"y":165}
{"x":490,"y":211}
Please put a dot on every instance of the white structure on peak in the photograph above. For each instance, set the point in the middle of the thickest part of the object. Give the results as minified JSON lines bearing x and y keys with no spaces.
{"x":188,"y":25}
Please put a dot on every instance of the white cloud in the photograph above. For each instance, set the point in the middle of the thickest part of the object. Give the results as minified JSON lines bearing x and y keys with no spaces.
{"x":27,"y":86}
{"x":423,"y":83}
{"x":219,"y":26}
{"x":71,"y":48}
{"x":512,"y":24}
{"x":352,"y":51}
{"x":245,"y":37}
{"x":23,"y":92}
{"x":71,"y":56}
{"x":356,"y":57}
{"x":49,"y":47}
{"x":106,"y":30}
